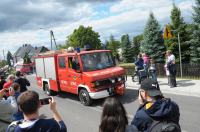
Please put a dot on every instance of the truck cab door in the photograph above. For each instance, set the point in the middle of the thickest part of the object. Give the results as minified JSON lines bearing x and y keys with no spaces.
{"x":62,"y":73}
{"x":73,"y":76}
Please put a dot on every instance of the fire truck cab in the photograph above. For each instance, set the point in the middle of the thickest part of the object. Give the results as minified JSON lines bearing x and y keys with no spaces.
{"x":88,"y":74}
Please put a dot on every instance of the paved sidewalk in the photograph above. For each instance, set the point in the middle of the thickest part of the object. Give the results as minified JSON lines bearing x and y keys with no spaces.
{"x":184,"y":86}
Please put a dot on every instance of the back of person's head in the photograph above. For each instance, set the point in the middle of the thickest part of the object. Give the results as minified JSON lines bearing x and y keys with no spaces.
{"x":10,"y":78}
{"x":144,"y":54}
{"x":18,"y":73}
{"x":16,"y":87}
{"x":139,"y":55}
{"x":169,"y":52}
{"x":113,"y":117}
{"x":28,"y":102}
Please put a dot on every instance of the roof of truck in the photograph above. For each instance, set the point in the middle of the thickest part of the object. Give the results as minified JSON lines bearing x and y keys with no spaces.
{"x":84,"y":52}
{"x":65,"y":53}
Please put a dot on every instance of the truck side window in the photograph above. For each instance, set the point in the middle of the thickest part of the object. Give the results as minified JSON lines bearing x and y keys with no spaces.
{"x":72,"y":63}
{"x":61,"y":61}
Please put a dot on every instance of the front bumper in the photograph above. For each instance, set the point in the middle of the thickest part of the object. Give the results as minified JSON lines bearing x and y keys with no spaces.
{"x":99,"y":95}
{"x":120,"y":89}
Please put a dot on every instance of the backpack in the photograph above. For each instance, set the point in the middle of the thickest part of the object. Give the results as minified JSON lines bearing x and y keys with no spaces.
{"x":13,"y":125}
{"x":164,"y":126}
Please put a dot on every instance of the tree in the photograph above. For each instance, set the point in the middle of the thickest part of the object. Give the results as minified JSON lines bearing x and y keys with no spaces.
{"x":127,"y":51}
{"x":3,"y":63}
{"x":178,"y":25}
{"x":195,"y":41}
{"x":113,"y":45}
{"x":27,"y":59}
{"x":84,"y":36}
{"x":153,"y":44}
{"x":9,"y":58}
{"x":62,"y":46}
{"x":136,"y":44}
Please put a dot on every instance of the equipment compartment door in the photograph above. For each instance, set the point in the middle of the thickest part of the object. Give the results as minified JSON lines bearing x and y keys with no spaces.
{"x":62,"y":74}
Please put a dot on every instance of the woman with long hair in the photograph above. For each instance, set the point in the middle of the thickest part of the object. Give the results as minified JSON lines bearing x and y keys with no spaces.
{"x":113,"y":118}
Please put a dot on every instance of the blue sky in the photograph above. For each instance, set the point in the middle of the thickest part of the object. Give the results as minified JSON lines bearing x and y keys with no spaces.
{"x":20,"y":21}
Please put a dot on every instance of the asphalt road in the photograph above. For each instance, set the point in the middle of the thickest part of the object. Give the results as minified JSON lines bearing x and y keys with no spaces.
{"x":86,"y":119}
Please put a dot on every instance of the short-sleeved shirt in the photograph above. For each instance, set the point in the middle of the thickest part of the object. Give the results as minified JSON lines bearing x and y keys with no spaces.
{"x":171,"y":58}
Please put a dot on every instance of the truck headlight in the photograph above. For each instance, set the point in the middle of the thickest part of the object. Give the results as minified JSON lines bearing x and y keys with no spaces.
{"x":95,"y":84}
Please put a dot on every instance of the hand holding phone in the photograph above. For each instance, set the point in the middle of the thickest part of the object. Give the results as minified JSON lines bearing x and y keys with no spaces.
{"x":6,"y":90}
{"x":53,"y":105}
{"x":45,"y":101}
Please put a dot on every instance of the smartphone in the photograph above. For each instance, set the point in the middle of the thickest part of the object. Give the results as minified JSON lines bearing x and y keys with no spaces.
{"x":45,"y":101}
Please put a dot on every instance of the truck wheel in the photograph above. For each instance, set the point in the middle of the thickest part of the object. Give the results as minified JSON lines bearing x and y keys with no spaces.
{"x":48,"y":91}
{"x":84,"y":97}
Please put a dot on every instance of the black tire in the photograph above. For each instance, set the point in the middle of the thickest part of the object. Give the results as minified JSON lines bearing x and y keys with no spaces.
{"x":48,"y":91}
{"x":84,"y":97}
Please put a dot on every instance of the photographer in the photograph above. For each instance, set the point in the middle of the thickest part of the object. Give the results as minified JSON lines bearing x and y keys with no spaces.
{"x":8,"y":108}
{"x":22,"y":81}
{"x":29,"y":104}
{"x":7,"y":85}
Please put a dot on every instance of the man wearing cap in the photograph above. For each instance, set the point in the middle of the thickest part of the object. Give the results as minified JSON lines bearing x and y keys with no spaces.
{"x":153,"y":105}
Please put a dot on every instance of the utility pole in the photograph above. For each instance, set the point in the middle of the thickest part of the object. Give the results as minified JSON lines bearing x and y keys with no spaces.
{"x":53,"y":38}
{"x":179,"y":46}
{"x":51,"y":41}
{"x":4,"y":55}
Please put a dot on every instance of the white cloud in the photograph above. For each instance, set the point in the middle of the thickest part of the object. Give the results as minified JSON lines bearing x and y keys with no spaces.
{"x":138,"y":4}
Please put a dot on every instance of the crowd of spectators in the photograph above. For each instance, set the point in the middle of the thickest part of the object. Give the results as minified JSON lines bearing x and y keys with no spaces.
{"x":20,"y":110}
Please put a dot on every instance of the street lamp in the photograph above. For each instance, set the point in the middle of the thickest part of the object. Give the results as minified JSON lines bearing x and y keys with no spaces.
{"x":52,"y":38}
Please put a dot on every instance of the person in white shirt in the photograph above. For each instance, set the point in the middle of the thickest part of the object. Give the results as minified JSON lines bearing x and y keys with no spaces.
{"x":172,"y":68}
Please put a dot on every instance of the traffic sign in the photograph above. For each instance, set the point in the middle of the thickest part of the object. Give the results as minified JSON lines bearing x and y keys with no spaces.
{"x":167,"y":32}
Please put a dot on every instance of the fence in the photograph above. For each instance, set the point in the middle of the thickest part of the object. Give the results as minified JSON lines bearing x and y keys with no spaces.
{"x":189,"y":70}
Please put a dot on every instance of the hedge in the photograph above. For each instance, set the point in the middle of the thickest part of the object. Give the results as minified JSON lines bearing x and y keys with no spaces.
{"x":129,"y":67}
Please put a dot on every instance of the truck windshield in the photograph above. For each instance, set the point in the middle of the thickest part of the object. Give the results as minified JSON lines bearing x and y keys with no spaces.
{"x":97,"y":61}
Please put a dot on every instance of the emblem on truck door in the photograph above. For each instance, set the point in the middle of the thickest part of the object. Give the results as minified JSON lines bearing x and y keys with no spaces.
{"x":74,"y":77}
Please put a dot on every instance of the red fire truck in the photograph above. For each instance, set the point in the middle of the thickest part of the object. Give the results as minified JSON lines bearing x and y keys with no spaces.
{"x":88,"y":74}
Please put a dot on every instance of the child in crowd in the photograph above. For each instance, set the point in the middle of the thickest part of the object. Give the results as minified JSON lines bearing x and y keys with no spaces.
{"x":18,"y":115}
